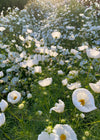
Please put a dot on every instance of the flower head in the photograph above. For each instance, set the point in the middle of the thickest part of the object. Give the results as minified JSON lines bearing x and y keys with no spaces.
{"x":64,"y":82}
{"x":14,"y":97}
{"x":92,"y":53}
{"x":59,"y":107}
{"x":45,"y":136}
{"x":82,"y":48}
{"x":83,"y":100}
{"x":2,"y":29}
{"x":95,"y":86}
{"x":1,"y":74}
{"x":37,"y":69}
{"x":45,"y":82}
{"x":2,"y":119}
{"x":56,"y":34}
{"x":3,"y":105}
{"x":74,"y":85}
{"x":64,"y":132}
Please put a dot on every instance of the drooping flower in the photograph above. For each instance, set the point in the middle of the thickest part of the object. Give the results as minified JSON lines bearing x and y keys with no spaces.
{"x":74,"y":85}
{"x":2,"y":119}
{"x":56,"y":34}
{"x":95,"y":86}
{"x":45,"y":136}
{"x":83,"y":100}
{"x":14,"y":97}
{"x":59,"y":107}
{"x":45,"y":82}
{"x":64,"y":132}
{"x":92,"y":53}
{"x":3,"y":105}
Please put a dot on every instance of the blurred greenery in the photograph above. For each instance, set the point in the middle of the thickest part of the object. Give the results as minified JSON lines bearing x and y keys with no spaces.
{"x":4,"y":4}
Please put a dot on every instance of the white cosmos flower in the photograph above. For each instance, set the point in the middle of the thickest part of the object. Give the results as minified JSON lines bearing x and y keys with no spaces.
{"x":74,"y":85}
{"x":95,"y":86}
{"x":59,"y":107}
{"x":64,"y":132}
{"x":3,"y":105}
{"x":2,"y":119}
{"x":46,"y":136}
{"x":45,"y":82}
{"x":83,"y":100}
{"x":92,"y":53}
{"x":56,"y":34}
{"x":14,"y":97}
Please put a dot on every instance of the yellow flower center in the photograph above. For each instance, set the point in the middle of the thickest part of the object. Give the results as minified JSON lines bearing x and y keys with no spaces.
{"x":62,"y":137}
{"x":15,"y":97}
{"x":82,"y":101}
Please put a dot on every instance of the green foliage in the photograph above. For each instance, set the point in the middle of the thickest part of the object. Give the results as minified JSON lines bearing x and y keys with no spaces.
{"x":4,"y":4}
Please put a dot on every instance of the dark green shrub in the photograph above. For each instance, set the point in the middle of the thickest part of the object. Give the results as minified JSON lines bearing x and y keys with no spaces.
{"x":4,"y":4}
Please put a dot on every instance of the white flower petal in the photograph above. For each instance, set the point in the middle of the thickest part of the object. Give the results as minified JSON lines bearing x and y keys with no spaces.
{"x":2,"y":119}
{"x":60,"y":72}
{"x":74,"y":85}
{"x":1,"y":74}
{"x":46,"y":136}
{"x":3,"y":105}
{"x":82,"y":48}
{"x":73,"y":51}
{"x":83,"y":100}
{"x":95,"y":87}
{"x":56,"y":34}
{"x":45,"y":82}
{"x":59,"y":107}
{"x":64,"y":131}
{"x":92,"y":53}
{"x":37,"y":69}
{"x":64,"y":82}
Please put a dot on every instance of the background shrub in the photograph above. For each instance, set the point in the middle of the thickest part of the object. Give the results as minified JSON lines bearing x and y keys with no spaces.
{"x":4,"y":4}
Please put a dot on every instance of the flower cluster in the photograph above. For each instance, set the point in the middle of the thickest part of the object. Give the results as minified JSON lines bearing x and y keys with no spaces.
{"x":50,"y":72}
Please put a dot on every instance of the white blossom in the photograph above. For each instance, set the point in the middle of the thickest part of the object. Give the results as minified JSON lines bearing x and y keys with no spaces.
{"x":14,"y":97}
{"x":64,"y":132}
{"x":59,"y":107}
{"x":2,"y":119}
{"x":3,"y":105}
{"x":95,"y":86}
{"x":83,"y":100}
{"x":45,"y":82}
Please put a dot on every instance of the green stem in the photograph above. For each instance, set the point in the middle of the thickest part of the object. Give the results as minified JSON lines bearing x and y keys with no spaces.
{"x":93,"y":122}
{"x":15,"y":116}
{"x":6,"y":135}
